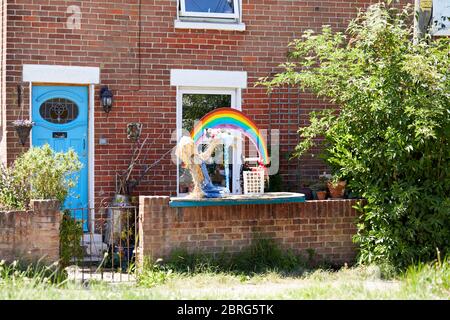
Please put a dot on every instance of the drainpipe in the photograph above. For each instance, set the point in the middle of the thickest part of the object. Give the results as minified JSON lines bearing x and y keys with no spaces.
{"x":422,"y":18}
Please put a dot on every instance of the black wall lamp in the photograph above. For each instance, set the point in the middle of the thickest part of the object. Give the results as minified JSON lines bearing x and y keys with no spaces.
{"x":106,"y":98}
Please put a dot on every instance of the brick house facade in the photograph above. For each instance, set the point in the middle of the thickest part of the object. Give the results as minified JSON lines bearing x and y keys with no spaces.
{"x":135,"y":44}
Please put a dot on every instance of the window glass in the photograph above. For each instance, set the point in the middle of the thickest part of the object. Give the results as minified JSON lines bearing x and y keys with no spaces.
{"x":59,"y":110}
{"x":210,"y":6}
{"x":195,"y":106}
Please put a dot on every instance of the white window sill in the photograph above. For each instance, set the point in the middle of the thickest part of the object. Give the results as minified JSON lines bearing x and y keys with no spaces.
{"x":441,"y":33}
{"x":209,"y":25}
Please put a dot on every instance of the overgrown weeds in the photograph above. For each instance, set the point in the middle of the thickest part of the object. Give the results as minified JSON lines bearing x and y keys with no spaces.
{"x":429,"y":279}
{"x":262,"y":257}
{"x":33,"y":274}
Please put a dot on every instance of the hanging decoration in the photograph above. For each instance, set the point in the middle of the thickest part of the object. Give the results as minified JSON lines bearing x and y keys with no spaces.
{"x":22,"y":126}
{"x":134,"y":130}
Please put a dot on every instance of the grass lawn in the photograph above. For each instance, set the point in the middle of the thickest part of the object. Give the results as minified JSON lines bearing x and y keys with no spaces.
{"x":430,"y":281}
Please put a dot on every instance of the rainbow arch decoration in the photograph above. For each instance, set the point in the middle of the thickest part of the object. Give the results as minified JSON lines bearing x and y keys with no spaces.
{"x":228,"y":118}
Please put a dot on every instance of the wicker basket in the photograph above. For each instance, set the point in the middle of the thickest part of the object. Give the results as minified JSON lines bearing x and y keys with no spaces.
{"x":253,"y":182}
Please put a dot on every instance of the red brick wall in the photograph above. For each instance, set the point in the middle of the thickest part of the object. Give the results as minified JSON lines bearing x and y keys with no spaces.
{"x":325,"y":226}
{"x":2,"y":81}
{"x":108,"y":38}
{"x":31,"y":235}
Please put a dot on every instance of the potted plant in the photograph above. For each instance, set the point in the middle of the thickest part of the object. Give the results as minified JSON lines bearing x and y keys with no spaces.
{"x":336,"y":187}
{"x":320,"y":190}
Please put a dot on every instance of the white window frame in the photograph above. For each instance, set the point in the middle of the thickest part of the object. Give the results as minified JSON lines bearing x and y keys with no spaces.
{"x":236,"y":95}
{"x":234,"y":15}
{"x":209,"y":21}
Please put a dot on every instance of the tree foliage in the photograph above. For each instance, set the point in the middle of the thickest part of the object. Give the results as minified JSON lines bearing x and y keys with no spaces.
{"x":390,"y":139}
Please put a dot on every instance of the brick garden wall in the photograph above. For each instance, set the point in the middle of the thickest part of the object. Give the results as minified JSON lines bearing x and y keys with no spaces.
{"x":31,"y":235}
{"x":139,"y":78}
{"x":325,"y":226}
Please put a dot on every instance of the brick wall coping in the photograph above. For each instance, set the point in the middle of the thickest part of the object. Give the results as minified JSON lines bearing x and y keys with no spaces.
{"x":34,"y":204}
{"x":232,"y":200}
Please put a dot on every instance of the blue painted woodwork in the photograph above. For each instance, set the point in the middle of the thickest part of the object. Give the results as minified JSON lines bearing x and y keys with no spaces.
{"x":233,"y":200}
{"x":65,"y":136}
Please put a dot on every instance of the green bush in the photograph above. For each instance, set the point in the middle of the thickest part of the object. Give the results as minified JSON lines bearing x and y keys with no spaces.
{"x":70,"y":235}
{"x":391,"y":138}
{"x":39,"y":173}
{"x":12,"y":193}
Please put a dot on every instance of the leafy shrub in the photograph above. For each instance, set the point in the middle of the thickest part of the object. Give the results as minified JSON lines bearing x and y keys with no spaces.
{"x":390,"y":139}
{"x":39,"y":173}
{"x":70,"y":235}
{"x":12,"y":193}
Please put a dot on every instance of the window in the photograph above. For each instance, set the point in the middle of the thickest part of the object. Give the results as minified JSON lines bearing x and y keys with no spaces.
{"x":441,"y":18}
{"x":194,"y":103}
{"x":199,"y":92}
{"x":210,"y":8}
{"x":210,"y":14}
{"x":59,"y":110}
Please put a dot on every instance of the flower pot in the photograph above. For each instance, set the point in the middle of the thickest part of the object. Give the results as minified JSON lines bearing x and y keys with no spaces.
{"x":337,"y":191}
{"x":321,"y":195}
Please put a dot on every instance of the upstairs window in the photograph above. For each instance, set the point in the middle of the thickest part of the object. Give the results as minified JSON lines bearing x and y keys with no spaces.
{"x":221,"y":9}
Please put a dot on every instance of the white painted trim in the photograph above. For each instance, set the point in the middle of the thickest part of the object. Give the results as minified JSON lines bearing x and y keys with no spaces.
{"x":179,"y":120}
{"x":91,"y":156}
{"x":60,"y":74}
{"x":208,"y":78}
{"x":238,"y":155}
{"x":209,"y":25}
{"x":30,"y":114}
{"x":236,"y":103}
{"x":234,"y":15}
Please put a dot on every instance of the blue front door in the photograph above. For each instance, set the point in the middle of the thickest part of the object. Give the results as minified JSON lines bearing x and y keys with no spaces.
{"x":60,"y":114}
